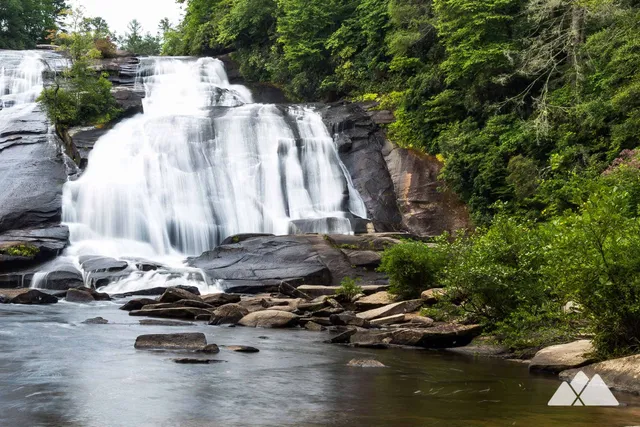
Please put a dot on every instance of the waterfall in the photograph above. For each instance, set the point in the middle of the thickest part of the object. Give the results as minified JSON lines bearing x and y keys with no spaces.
{"x":204,"y":162}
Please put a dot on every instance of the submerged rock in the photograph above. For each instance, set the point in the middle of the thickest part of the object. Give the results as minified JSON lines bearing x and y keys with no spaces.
{"x":557,"y":358}
{"x":242,"y":349}
{"x":366,"y":363}
{"x":194,"y":361}
{"x":270,"y":319}
{"x":210,"y":349}
{"x":96,"y":321}
{"x":313,"y":326}
{"x":185,"y":341}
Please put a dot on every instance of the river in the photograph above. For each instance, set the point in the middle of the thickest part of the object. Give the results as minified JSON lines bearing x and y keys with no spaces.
{"x":57,"y":371}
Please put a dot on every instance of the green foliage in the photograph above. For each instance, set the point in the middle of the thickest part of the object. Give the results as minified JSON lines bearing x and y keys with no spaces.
{"x":497,"y":270}
{"x":136,"y":42}
{"x":349,"y":288}
{"x":25,"y":23}
{"x":22,"y":250}
{"x":412,"y":267}
{"x":595,"y":259}
{"x":78,"y":96}
{"x":530,"y":328}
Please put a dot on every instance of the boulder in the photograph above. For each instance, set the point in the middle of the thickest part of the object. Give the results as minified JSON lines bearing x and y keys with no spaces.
{"x":62,"y":278}
{"x":217,"y":300}
{"x":371,"y":339}
{"x":377,"y":300}
{"x":23,"y":251}
{"x":173,"y":313}
{"x":621,"y":374}
{"x":185,"y":341}
{"x":4,"y":299}
{"x":348,"y":319}
{"x":343,"y":337}
{"x":327,"y":312}
{"x":323,"y":321}
{"x":177,"y":294}
{"x":365,"y":363}
{"x":269,"y":319}
{"x":79,"y":296}
{"x":419,"y":321}
{"x":263,"y":263}
{"x":228,"y":314}
{"x":210,"y":349}
{"x":155,"y":322}
{"x":311,"y":306}
{"x":391,"y":309}
{"x":432,"y":296}
{"x":313,"y":326}
{"x":137,"y":304}
{"x":557,"y":358}
{"x":389,"y":320}
{"x":33,"y":296}
{"x":440,"y":336}
{"x":242,"y":349}
{"x":96,"y":321}
{"x":287,"y":289}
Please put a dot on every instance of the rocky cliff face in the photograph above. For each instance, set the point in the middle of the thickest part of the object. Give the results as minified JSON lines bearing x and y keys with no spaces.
{"x":32,"y":173}
{"x":400,"y":187}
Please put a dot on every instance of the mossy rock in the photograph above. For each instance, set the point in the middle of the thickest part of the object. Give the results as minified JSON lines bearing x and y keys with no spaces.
{"x":20,"y":250}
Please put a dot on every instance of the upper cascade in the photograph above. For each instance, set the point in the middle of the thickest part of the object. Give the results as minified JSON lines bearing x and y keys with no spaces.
{"x":202,"y":163}
{"x":21,"y":81}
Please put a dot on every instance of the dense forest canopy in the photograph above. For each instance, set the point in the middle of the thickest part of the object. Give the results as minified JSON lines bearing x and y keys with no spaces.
{"x":25,"y":23}
{"x":523,"y":99}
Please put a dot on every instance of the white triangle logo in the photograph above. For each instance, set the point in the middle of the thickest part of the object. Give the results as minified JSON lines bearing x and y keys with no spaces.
{"x":583,"y":392}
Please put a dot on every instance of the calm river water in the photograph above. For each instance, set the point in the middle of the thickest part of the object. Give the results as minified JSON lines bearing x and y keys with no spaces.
{"x":56,"y":371}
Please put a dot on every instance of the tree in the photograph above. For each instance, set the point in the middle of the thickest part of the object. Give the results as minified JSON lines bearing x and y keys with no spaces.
{"x":24,"y":23}
{"x":135,"y":42}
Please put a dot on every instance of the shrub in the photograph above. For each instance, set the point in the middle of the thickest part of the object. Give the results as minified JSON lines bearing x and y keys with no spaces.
{"x":596,"y":260}
{"x":23,"y":250}
{"x":497,"y":270}
{"x":412,"y":267}
{"x":349,"y":288}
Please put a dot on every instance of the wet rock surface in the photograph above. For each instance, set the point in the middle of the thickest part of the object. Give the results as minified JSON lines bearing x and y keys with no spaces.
{"x":184,"y":341}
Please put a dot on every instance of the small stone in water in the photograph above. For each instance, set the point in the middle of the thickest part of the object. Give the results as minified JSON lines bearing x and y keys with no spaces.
{"x":96,"y":321}
{"x":242,"y":349}
{"x":365,"y":363}
{"x":190,"y":361}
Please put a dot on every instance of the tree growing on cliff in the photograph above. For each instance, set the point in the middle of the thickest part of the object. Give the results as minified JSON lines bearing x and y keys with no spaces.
{"x":79,"y":95}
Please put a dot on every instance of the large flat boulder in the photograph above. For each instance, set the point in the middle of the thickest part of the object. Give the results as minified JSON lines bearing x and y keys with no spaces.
{"x":621,"y":374}
{"x":28,"y":247}
{"x":377,"y":300}
{"x":436,"y":337}
{"x":264,"y":262}
{"x":229,"y":314}
{"x":187,"y":341}
{"x":391,"y":309}
{"x":557,"y":358}
{"x":269,"y":319}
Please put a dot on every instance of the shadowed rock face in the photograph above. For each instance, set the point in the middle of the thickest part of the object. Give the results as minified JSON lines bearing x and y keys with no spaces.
{"x":399,"y":187}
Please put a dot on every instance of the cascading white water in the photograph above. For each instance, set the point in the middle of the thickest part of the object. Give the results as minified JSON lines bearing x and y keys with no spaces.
{"x":21,"y":81}
{"x":202,"y":163}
